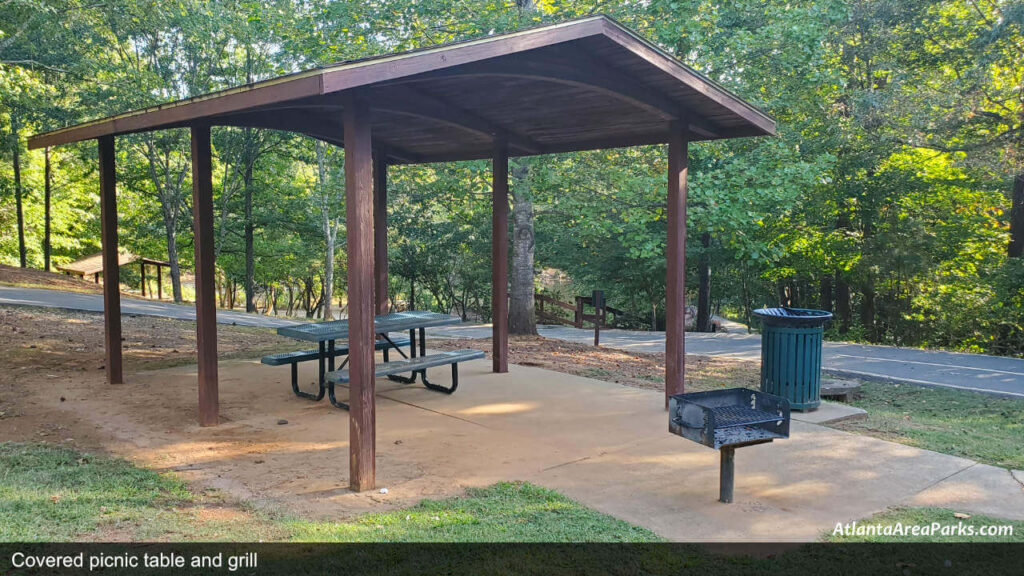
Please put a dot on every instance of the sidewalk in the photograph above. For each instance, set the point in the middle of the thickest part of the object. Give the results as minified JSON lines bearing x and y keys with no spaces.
{"x":10,"y":295}
{"x":602,"y":444}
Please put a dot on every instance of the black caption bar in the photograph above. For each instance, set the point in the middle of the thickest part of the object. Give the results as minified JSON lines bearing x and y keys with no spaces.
{"x":500,"y":559}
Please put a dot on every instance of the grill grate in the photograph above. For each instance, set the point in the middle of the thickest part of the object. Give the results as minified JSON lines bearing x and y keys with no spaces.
{"x":736,"y":415}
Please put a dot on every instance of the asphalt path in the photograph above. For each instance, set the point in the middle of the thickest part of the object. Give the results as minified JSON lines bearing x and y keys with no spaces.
{"x":991,"y":374}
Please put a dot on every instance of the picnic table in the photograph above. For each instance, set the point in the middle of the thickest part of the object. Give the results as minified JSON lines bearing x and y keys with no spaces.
{"x":325,"y":334}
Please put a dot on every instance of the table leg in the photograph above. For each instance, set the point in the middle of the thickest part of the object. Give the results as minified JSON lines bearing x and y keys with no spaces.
{"x":330,"y":355}
{"x":412,"y":354}
{"x":321,"y":380}
{"x":423,"y":352}
{"x":320,"y":363}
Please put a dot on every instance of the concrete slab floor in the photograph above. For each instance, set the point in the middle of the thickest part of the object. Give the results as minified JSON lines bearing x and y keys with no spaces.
{"x":971,"y":490}
{"x":600,"y":443}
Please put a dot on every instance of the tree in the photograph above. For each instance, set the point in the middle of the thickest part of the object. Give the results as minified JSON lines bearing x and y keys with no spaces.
{"x":521,"y":317}
{"x":330,"y":191}
{"x":967,"y":93}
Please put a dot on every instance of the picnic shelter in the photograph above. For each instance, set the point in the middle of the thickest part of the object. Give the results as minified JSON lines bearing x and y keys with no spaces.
{"x":579,"y":85}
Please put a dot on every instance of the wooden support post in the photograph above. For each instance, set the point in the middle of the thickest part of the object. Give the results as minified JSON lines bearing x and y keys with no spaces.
{"x":206,"y":304}
{"x":360,"y":237}
{"x":380,"y":233}
{"x":499,"y":256}
{"x":675,"y":254}
{"x":46,"y":209}
{"x":142,"y":272}
{"x":159,"y":282}
{"x":111,"y":276}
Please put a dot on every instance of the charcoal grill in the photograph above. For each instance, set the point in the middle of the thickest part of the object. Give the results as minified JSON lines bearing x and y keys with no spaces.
{"x":726,"y":420}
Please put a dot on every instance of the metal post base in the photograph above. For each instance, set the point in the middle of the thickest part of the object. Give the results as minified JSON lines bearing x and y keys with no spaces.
{"x":726,"y":474}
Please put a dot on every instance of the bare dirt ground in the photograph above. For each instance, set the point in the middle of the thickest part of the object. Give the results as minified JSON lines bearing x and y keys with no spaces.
{"x":53,"y":389}
{"x":32,"y":278}
{"x":49,"y":356}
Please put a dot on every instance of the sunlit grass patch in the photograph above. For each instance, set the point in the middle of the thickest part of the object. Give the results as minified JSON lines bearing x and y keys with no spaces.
{"x":504,"y":512}
{"x":983,"y":427}
{"x":51,"y":493}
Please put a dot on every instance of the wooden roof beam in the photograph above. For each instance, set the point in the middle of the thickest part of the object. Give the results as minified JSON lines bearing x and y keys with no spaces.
{"x":427,"y":105}
{"x":622,"y":78}
{"x":321,"y":132}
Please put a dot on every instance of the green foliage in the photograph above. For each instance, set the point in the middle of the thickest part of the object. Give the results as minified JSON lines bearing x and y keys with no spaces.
{"x":884,"y":197}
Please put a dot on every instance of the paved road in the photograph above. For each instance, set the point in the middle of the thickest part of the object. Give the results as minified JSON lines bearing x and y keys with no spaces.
{"x":94,"y":303}
{"x":991,"y":374}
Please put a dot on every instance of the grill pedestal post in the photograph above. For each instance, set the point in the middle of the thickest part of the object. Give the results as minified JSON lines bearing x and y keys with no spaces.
{"x":726,"y":474}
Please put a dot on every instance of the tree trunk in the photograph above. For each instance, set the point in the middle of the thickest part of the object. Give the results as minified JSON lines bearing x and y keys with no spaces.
{"x":16,"y":160}
{"x":521,"y":314}
{"x":747,"y":306}
{"x":329,"y":278}
{"x":867,"y":312}
{"x":654,"y":316}
{"x":704,"y":286}
{"x":250,"y":252}
{"x":46,"y":210}
{"x":843,"y":303}
{"x":825,"y":293}
{"x":412,"y":294}
{"x":328,"y":227}
{"x":172,"y":256}
{"x":308,"y":295}
{"x":1016,"y":248}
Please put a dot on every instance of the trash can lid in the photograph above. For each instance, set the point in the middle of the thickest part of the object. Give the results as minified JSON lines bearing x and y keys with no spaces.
{"x":795,"y":317}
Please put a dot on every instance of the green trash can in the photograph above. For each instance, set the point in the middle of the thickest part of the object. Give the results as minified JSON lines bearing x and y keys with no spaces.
{"x":791,"y":354}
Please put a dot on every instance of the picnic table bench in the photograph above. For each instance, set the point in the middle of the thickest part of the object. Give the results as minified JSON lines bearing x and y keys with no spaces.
{"x":414,"y":365}
{"x":416,"y":362}
{"x":298,"y":356}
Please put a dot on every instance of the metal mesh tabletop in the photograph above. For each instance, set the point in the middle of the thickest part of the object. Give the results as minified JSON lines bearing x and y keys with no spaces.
{"x":394,"y":322}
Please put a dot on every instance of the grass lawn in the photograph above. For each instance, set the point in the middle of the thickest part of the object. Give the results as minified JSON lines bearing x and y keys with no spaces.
{"x":932,"y":517}
{"x":504,"y":512}
{"x":49,"y":493}
{"x":982,"y":427}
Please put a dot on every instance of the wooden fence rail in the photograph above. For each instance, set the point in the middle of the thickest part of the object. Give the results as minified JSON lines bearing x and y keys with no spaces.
{"x":547,"y":310}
